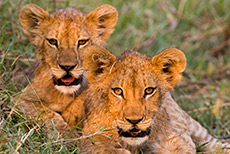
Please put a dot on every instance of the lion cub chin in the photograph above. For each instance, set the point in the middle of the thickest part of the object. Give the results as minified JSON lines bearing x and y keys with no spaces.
{"x":125,"y":97}
{"x":60,"y":39}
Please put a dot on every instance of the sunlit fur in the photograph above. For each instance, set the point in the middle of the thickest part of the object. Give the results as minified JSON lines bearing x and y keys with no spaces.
{"x":132,"y":73}
{"x":47,"y":95}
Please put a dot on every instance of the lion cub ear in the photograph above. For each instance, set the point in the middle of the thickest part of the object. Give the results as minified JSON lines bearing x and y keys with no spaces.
{"x":97,"y":61}
{"x":101,"y":22}
{"x":170,"y":64}
{"x":31,"y":16}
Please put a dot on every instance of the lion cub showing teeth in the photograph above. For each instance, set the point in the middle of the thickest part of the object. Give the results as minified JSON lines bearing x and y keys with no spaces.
{"x":125,"y":95}
{"x":60,"y":39}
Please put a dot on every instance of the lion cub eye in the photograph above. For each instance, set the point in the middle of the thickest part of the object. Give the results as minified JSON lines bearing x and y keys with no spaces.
{"x":82,"y":42}
{"x":118,"y":91}
{"x":149,"y":91}
{"x":53,"y":42}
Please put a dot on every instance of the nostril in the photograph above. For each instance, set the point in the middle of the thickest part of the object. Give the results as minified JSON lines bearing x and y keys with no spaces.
{"x":134,"y":121}
{"x":67,"y":67}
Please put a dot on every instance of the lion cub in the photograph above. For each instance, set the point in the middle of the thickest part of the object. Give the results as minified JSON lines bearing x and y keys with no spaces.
{"x":60,"y":39}
{"x":125,"y":96}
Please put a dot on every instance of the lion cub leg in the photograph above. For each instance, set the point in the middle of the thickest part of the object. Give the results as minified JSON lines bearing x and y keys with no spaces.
{"x":52,"y":119}
{"x":103,"y":144}
{"x":75,"y":112}
{"x":175,"y":144}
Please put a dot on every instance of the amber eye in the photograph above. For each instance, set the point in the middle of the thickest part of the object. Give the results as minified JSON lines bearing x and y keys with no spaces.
{"x":53,"y":42}
{"x":149,"y":91}
{"x":82,"y":42}
{"x":118,"y":91}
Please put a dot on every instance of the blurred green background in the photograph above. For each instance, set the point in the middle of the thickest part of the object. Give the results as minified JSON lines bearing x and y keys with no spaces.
{"x":199,"y":28}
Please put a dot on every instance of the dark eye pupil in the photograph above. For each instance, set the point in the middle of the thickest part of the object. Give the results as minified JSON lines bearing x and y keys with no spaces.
{"x":82,"y":42}
{"x":52,"y":41}
{"x":117,"y":91}
{"x":149,"y":91}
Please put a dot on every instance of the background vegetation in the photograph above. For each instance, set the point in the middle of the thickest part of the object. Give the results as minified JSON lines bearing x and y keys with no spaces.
{"x":199,"y":28}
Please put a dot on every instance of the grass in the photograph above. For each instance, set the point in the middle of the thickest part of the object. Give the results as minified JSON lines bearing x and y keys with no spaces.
{"x":199,"y":28}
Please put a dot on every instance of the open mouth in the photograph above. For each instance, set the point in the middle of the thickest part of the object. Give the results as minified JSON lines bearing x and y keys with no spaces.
{"x":134,"y":132}
{"x":67,"y":80}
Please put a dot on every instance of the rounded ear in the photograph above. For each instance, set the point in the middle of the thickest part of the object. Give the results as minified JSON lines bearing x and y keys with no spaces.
{"x":170,"y":64}
{"x":97,"y":61}
{"x":31,"y":16}
{"x":101,"y":22}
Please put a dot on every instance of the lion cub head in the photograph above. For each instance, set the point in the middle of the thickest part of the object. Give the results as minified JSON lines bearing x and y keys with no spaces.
{"x":61,"y":37}
{"x":129,"y":90}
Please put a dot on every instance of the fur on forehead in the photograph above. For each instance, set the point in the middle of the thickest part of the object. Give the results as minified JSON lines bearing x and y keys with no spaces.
{"x":131,"y":57}
{"x":67,"y":13}
{"x":133,"y":52}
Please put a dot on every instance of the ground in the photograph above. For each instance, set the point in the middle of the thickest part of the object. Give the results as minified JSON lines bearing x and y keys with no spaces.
{"x":199,"y":28}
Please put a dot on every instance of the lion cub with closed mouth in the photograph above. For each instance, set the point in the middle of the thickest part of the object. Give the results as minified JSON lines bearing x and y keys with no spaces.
{"x":125,"y":95}
{"x":60,"y":39}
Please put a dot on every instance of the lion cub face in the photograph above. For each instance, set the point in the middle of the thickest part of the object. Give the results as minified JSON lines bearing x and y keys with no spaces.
{"x":61,"y":37}
{"x":132,"y":87}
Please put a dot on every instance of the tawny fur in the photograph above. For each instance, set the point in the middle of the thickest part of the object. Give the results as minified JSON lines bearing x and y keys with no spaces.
{"x":190,"y":130}
{"x":133,"y":73}
{"x":43,"y":98}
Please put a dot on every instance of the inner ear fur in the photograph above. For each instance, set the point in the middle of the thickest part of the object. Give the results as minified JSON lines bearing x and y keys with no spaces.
{"x":97,"y":61}
{"x":101,"y":22}
{"x":31,"y":16}
{"x":170,"y":64}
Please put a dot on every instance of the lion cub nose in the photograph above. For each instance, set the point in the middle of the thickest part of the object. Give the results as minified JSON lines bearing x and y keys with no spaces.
{"x":134,"y":121}
{"x":67,"y":67}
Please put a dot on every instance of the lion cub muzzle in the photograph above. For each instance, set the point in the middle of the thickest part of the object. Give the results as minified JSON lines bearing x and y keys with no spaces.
{"x":68,"y":63}
{"x":71,"y":75}
{"x":68,"y":77}
{"x":137,"y":127}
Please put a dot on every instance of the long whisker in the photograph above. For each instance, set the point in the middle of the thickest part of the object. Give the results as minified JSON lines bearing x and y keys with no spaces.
{"x":112,"y":67}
